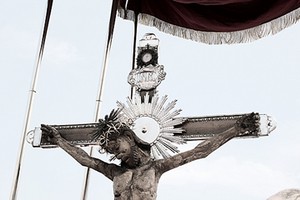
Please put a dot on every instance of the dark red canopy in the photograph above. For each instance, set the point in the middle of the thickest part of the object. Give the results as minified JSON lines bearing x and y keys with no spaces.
{"x":214,"y":21}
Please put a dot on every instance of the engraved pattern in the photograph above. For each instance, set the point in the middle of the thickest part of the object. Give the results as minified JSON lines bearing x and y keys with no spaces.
{"x":148,"y":77}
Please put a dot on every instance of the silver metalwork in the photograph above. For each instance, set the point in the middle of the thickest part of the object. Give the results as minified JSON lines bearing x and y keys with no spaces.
{"x":77,"y":134}
{"x":214,"y":125}
{"x":267,"y":125}
{"x":149,"y":39}
{"x":147,"y":129}
{"x":147,"y":78}
{"x":30,"y":137}
{"x":195,"y":128}
{"x":34,"y":137}
{"x":153,"y":122}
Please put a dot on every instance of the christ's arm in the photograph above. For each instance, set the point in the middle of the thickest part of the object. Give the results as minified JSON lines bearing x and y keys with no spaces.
{"x":80,"y":155}
{"x":205,"y":148}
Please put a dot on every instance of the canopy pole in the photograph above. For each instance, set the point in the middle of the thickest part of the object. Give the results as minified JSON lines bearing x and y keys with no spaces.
{"x":32,"y":92}
{"x":134,"y":40}
{"x":134,"y":49}
{"x":101,"y":85}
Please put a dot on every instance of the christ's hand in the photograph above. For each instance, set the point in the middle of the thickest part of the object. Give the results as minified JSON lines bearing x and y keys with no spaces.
{"x":53,"y":134}
{"x":247,"y":124}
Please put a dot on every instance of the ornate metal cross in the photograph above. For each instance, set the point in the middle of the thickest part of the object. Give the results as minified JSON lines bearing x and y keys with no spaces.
{"x":154,"y":121}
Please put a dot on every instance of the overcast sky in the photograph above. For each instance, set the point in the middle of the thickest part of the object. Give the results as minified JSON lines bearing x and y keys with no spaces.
{"x":262,"y":76}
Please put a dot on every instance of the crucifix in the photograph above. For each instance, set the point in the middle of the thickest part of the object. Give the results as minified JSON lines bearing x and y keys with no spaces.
{"x":144,"y":133}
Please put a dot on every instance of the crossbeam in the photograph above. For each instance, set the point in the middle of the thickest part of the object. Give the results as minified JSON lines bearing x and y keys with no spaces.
{"x":194,"y":128}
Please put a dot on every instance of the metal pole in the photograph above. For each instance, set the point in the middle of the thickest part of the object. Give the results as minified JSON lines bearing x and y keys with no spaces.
{"x":101,"y":85}
{"x":134,"y":39}
{"x":134,"y":50}
{"x":32,"y":92}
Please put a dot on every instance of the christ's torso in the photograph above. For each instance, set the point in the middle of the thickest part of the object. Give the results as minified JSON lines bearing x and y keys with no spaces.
{"x":136,"y":184}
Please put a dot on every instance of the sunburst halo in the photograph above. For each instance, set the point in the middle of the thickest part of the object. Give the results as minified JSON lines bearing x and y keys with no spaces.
{"x":154,"y":123}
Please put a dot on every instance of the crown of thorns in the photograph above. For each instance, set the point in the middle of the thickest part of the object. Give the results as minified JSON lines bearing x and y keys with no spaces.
{"x":109,"y":129}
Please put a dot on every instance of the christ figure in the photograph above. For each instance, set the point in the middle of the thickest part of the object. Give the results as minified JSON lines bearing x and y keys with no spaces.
{"x":138,"y":174}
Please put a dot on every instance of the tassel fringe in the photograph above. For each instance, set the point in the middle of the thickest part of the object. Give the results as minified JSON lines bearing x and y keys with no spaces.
{"x":243,"y":36}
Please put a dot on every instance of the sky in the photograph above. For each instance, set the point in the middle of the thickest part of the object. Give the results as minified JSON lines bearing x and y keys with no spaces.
{"x":262,"y":76}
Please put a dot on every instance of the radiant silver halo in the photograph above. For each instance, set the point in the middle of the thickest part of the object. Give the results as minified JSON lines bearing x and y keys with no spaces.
{"x":154,"y":123}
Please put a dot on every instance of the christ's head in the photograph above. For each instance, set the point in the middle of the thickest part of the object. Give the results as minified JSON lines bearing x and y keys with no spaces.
{"x":121,"y":147}
{"x":116,"y":137}
{"x":126,"y":147}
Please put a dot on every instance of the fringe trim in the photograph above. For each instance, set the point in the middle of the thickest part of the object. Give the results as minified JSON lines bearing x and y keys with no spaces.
{"x":243,"y":36}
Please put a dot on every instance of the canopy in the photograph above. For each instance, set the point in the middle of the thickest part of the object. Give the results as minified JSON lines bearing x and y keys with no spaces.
{"x":214,"y":21}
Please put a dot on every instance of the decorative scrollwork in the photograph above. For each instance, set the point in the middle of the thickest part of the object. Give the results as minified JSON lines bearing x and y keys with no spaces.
{"x":30,"y":137}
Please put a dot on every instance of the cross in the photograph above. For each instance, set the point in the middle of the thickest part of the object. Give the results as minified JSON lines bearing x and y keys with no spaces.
{"x":145,"y":79}
{"x":144,"y":133}
{"x":195,"y":128}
